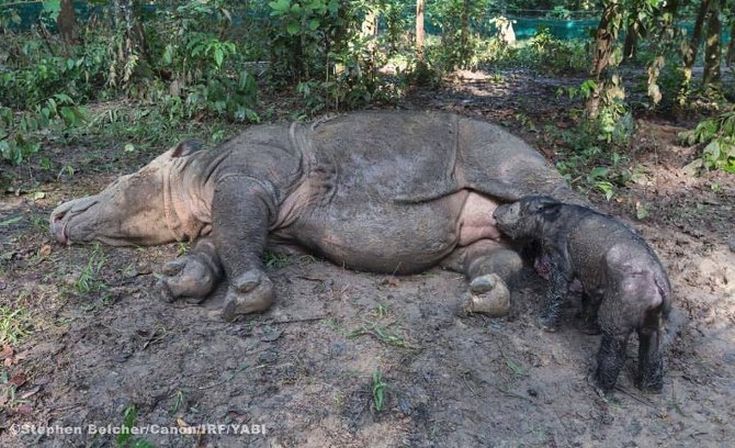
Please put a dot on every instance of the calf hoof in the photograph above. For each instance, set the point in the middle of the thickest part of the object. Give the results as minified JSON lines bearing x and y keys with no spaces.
{"x":650,"y":385}
{"x":251,"y":292}
{"x":189,"y":276}
{"x":488,"y":295}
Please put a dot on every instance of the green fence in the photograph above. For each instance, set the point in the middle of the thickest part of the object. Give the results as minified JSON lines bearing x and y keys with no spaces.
{"x":524,"y":27}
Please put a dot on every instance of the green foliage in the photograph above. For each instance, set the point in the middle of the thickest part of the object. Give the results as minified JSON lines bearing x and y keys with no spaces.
{"x":201,"y":72}
{"x":543,"y":53}
{"x":459,"y":21}
{"x":614,"y":124}
{"x":718,"y":136}
{"x":18,"y":130}
{"x":125,"y":438}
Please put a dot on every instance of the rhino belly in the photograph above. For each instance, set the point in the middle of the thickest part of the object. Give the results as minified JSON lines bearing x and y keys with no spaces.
{"x":382,"y":236}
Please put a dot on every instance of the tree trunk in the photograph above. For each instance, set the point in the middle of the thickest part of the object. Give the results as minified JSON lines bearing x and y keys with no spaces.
{"x":464,"y":40}
{"x":420,"y":32}
{"x":690,"y":53}
{"x":66,"y":22}
{"x":713,"y":47}
{"x":731,"y":48}
{"x":604,"y":45}
{"x":631,"y":36}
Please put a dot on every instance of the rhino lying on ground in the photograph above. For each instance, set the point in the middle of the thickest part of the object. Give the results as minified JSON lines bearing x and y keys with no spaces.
{"x":392,"y":192}
{"x":621,"y":276}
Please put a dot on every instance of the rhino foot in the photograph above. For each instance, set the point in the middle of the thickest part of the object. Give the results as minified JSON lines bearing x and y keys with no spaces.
{"x":251,"y":292}
{"x":488,"y":295}
{"x":192,"y":276}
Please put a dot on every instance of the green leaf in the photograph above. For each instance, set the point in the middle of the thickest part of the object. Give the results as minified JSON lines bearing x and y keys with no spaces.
{"x":10,"y":221}
{"x":219,"y":56}
{"x":52,"y":8}
{"x":600,"y":171}
{"x":314,"y":24}
{"x":280,"y":6}
{"x":293,"y":28}
{"x":168,"y":55}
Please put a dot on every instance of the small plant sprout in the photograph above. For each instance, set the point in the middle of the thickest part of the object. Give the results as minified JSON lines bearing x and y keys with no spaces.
{"x":378,"y":388}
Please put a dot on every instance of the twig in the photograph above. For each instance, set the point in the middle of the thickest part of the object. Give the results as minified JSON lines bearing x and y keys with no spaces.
{"x":513,"y":394}
{"x":293,"y":321}
{"x":634,"y":396}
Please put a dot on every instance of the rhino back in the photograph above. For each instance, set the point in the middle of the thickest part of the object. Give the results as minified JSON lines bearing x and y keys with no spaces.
{"x":389,"y":155}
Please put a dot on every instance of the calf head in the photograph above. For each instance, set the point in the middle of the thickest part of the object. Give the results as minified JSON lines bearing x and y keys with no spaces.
{"x":130,"y":211}
{"x":525,"y":218}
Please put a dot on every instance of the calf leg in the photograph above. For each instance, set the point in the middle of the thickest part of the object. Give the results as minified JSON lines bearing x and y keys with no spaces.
{"x":242,"y":210}
{"x":588,"y":314}
{"x":490,"y":266}
{"x":650,"y":362}
{"x":559,"y":278}
{"x":616,"y":325}
{"x":610,"y":359}
{"x":192,"y":276}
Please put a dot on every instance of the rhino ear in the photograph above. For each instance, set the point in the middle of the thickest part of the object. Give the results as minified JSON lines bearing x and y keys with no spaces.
{"x":185,"y":148}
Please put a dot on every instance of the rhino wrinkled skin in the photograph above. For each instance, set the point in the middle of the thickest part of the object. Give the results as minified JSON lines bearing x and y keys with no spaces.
{"x":392,"y":192}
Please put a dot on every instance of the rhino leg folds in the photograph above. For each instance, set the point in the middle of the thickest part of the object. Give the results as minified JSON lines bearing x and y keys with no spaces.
{"x":242,"y":210}
{"x":193,"y":276}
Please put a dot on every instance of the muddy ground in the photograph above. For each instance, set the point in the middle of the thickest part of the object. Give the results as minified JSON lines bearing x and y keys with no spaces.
{"x":98,"y":342}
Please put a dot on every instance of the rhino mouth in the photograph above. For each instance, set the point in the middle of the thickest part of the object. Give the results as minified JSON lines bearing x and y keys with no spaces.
{"x":63,"y":214}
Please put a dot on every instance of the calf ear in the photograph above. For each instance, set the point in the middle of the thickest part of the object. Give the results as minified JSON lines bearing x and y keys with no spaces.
{"x":185,"y":148}
{"x":550,"y":211}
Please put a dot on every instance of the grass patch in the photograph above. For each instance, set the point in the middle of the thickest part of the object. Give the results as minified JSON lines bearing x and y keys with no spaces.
{"x":382,"y":333}
{"x":273,"y":260}
{"x":88,"y":280}
{"x":14,"y":325}
{"x":125,"y":439}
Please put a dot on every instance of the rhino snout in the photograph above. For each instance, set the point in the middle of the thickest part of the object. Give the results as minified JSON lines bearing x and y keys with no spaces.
{"x":62,"y":215}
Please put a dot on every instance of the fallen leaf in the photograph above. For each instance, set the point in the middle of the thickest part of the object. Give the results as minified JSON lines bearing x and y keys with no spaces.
{"x":8,"y":362}
{"x":45,"y":250}
{"x":18,"y":379}
{"x":392,"y":281}
{"x":24,"y":409}
{"x":6,"y":352}
{"x":38,"y":195}
{"x":182,"y":424}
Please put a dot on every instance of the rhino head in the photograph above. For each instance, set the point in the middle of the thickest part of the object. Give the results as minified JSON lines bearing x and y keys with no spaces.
{"x":133,"y":210}
{"x":525,"y":218}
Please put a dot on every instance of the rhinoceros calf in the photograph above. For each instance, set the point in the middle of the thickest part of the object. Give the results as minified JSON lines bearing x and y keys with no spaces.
{"x":393,"y":192}
{"x":620,"y":275}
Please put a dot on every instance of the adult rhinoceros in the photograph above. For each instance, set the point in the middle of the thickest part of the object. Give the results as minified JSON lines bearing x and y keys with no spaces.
{"x":393,"y":192}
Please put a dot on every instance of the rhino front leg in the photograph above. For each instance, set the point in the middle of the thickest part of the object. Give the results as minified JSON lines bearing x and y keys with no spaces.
{"x":490,"y":267}
{"x":192,"y":276}
{"x":241,"y":210}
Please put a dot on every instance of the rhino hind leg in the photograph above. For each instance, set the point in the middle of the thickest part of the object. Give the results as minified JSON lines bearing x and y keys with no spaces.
{"x":192,"y":276}
{"x":490,"y":267}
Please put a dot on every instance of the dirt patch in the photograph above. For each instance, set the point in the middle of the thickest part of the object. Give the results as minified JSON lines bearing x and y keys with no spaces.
{"x":307,"y":368}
